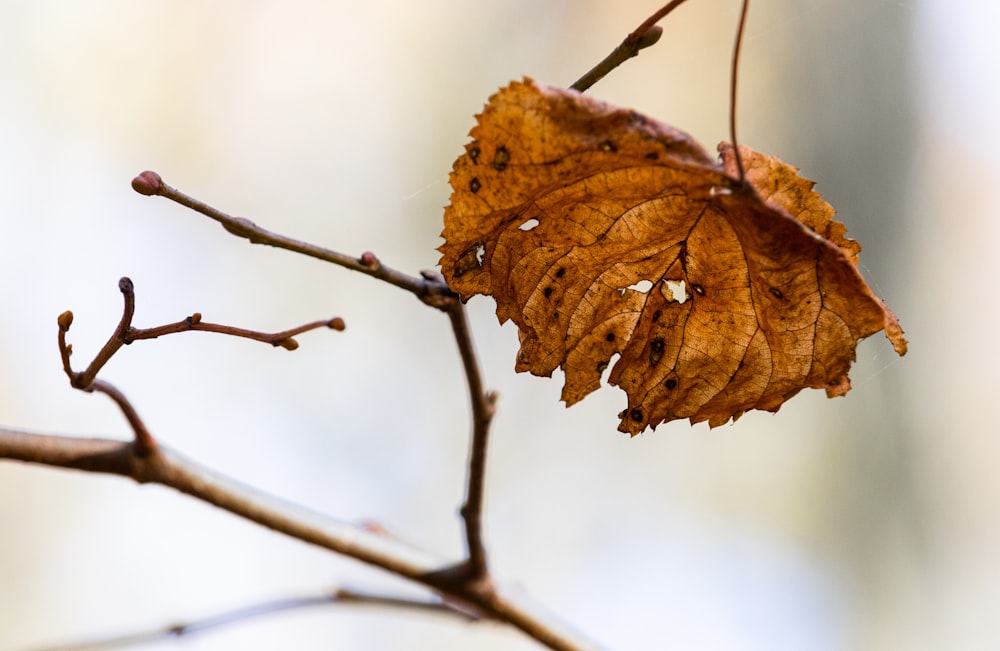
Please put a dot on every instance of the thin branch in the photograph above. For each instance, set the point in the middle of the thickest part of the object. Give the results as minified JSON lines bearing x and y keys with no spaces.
{"x":434,"y":293}
{"x":144,"y":441}
{"x":733,"y":76}
{"x":169,"y":468}
{"x":434,"y":605}
{"x":281,"y":339}
{"x":483,"y":409}
{"x":641,"y":37}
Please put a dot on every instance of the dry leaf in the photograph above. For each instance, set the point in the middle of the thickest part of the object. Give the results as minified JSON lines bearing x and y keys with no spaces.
{"x":601,"y":232}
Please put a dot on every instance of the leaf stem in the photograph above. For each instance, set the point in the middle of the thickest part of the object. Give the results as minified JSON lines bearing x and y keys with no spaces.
{"x":734,"y":75}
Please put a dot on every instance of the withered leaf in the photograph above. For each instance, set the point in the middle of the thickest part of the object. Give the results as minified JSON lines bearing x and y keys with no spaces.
{"x":601,"y":232}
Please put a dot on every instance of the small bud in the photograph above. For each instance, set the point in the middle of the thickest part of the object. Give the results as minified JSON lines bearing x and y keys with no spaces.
{"x":125,"y":285}
{"x":65,"y":320}
{"x":368,"y":259}
{"x":651,"y":36}
{"x":148,"y":183}
{"x":194,"y":319}
{"x":337,"y":323}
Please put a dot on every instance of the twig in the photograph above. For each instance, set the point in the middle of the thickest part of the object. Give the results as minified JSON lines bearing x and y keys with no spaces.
{"x":125,"y":334}
{"x":733,"y":76}
{"x":281,"y":339}
{"x":434,"y":293}
{"x":483,"y":409}
{"x":641,"y":37}
{"x":167,"y":467}
{"x":339,"y":596}
{"x":144,"y":441}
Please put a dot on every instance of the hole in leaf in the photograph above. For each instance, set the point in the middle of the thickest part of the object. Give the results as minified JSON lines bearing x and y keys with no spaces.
{"x":642,"y":286}
{"x":471,"y":258}
{"x":718,"y":191}
{"x":673,"y":290}
{"x":528,"y":225}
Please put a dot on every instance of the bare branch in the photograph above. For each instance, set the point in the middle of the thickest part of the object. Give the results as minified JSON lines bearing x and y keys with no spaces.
{"x":144,"y":441}
{"x":483,"y":409}
{"x":169,"y":468}
{"x":433,"y":292}
{"x":641,"y":37}
{"x":281,"y":339}
{"x":340,"y":596}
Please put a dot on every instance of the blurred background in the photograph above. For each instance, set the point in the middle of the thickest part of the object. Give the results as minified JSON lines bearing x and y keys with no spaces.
{"x":867,"y":522}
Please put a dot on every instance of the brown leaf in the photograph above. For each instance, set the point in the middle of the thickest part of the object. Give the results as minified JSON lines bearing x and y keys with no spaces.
{"x":563,"y":205}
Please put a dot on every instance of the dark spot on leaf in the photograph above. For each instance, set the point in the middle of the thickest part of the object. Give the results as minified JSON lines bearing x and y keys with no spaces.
{"x":671,"y":384}
{"x":560,"y":272}
{"x":474,"y":154}
{"x":610,"y":336}
{"x":775,"y":292}
{"x":651,"y":156}
{"x":607,"y":145}
{"x":697,"y":289}
{"x":500,"y":159}
{"x":601,"y":366}
{"x":474,"y":185}
{"x":547,"y":292}
{"x":656,"y":351}
{"x":636,"y":415}
{"x":656,"y":316}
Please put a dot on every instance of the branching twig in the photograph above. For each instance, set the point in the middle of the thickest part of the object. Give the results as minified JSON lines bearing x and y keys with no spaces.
{"x":432,"y":289}
{"x":125,"y":334}
{"x":434,"y":605}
